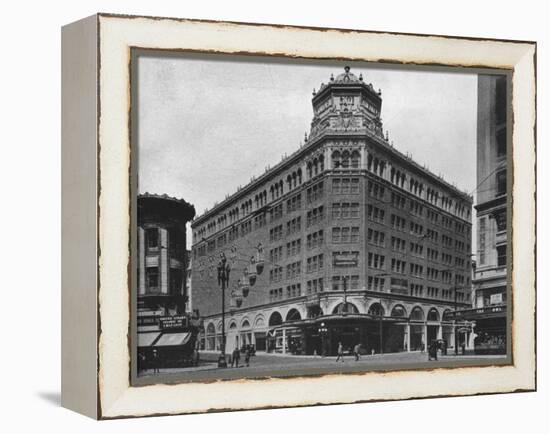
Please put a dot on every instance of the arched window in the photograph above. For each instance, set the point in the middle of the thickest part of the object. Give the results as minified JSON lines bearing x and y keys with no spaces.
{"x":336,"y":160}
{"x":345,"y":308}
{"x":315,"y":167}
{"x":293,"y":315}
{"x":289,"y":181}
{"x":294,"y":180}
{"x":369,"y":162}
{"x":376,"y":309}
{"x":417,"y":314}
{"x":245,"y":324}
{"x":259,"y":322}
{"x":355,"y":159}
{"x":299,"y":176}
{"x":382,"y":168}
{"x":321,"y":163}
{"x":433,"y":314}
{"x":345,"y":159}
{"x":398,"y":311}
{"x":275,"y":319}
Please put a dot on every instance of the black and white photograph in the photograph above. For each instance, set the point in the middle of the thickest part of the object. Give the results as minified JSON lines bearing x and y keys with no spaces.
{"x":298,"y":217}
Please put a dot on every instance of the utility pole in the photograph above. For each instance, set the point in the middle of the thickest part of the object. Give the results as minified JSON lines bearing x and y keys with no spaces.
{"x":223,"y":279}
{"x":380,"y":330}
{"x":345,"y":280}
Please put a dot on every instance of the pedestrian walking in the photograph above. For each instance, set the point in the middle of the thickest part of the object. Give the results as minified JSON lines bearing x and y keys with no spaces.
{"x":155,"y":362}
{"x":356,"y":350}
{"x":340,"y":352}
{"x":247,"y":356}
{"x":236,"y":357}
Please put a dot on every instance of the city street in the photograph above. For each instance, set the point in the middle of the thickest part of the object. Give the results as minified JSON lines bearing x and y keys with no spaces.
{"x":263,"y":365}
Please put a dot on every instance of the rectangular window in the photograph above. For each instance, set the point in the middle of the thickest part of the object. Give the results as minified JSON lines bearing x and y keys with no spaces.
{"x":152,"y":277}
{"x":501,"y":182}
{"x":335,"y":210}
{"x":501,"y":142}
{"x":481,"y":244}
{"x":501,"y":255}
{"x":152,"y":237}
{"x":336,"y":186}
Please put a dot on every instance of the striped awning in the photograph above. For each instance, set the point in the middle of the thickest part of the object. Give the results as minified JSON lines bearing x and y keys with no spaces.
{"x":173,"y":339}
{"x":147,"y":339}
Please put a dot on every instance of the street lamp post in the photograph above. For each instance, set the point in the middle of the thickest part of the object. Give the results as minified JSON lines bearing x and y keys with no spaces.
{"x":380,"y":318}
{"x":323,"y":331}
{"x":223,"y":279}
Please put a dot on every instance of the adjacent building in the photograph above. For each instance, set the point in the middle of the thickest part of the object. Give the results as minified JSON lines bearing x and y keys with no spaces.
{"x":490,"y":275}
{"x":166,"y":333}
{"x":346,"y":240}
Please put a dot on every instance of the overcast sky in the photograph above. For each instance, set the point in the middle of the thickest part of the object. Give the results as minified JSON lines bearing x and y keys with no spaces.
{"x":206,"y":124}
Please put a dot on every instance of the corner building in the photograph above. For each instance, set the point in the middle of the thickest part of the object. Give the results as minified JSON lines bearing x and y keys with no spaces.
{"x":163,"y":326}
{"x":489,"y":310}
{"x":346,"y":240}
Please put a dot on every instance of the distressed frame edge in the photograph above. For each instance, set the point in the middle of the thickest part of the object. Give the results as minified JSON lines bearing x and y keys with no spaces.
{"x":530,"y":384}
{"x":79,"y":185}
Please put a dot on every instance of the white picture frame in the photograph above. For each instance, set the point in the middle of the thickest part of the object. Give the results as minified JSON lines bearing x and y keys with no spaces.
{"x":96,"y":215}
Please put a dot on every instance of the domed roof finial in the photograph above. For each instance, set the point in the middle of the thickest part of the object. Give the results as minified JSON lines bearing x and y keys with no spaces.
{"x":346,"y":68}
{"x":331,"y":77}
{"x":361,"y":77}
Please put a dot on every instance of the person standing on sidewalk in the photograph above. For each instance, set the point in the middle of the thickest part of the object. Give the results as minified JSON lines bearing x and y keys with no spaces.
{"x":236,"y":357}
{"x":340,"y":352}
{"x":247,"y":356}
{"x":156,"y":361}
{"x":356,"y":350}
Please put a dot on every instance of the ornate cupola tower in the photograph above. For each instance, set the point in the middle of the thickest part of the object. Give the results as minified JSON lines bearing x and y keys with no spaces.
{"x":346,"y":104}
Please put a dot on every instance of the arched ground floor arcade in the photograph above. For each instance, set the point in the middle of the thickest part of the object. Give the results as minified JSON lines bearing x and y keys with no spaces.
{"x":317,"y":328}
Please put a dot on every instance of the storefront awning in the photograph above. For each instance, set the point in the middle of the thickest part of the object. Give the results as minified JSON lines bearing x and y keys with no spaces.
{"x":173,"y":339}
{"x":147,"y":339}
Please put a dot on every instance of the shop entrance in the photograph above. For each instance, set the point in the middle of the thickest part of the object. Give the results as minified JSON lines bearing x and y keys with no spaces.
{"x":348,"y":335}
{"x":432,"y":334}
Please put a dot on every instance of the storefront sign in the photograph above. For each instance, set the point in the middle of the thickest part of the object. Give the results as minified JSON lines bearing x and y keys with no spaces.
{"x":173,"y":322}
{"x":496,"y":298}
{"x":346,"y":260}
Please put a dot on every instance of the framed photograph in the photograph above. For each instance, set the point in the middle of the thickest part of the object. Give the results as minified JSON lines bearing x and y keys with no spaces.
{"x":260,"y":216}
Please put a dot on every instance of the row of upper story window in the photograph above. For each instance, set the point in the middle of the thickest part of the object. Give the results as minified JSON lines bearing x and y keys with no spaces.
{"x":374,"y":260}
{"x":294,"y":247}
{"x":346,"y":210}
{"x":347,"y":159}
{"x":399,"y":266}
{"x":399,"y":223}
{"x":339,"y":234}
{"x":351,"y":210}
{"x":313,"y":193}
{"x":293,"y":270}
{"x":414,"y":289}
{"x":340,"y":185}
{"x":352,"y":282}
